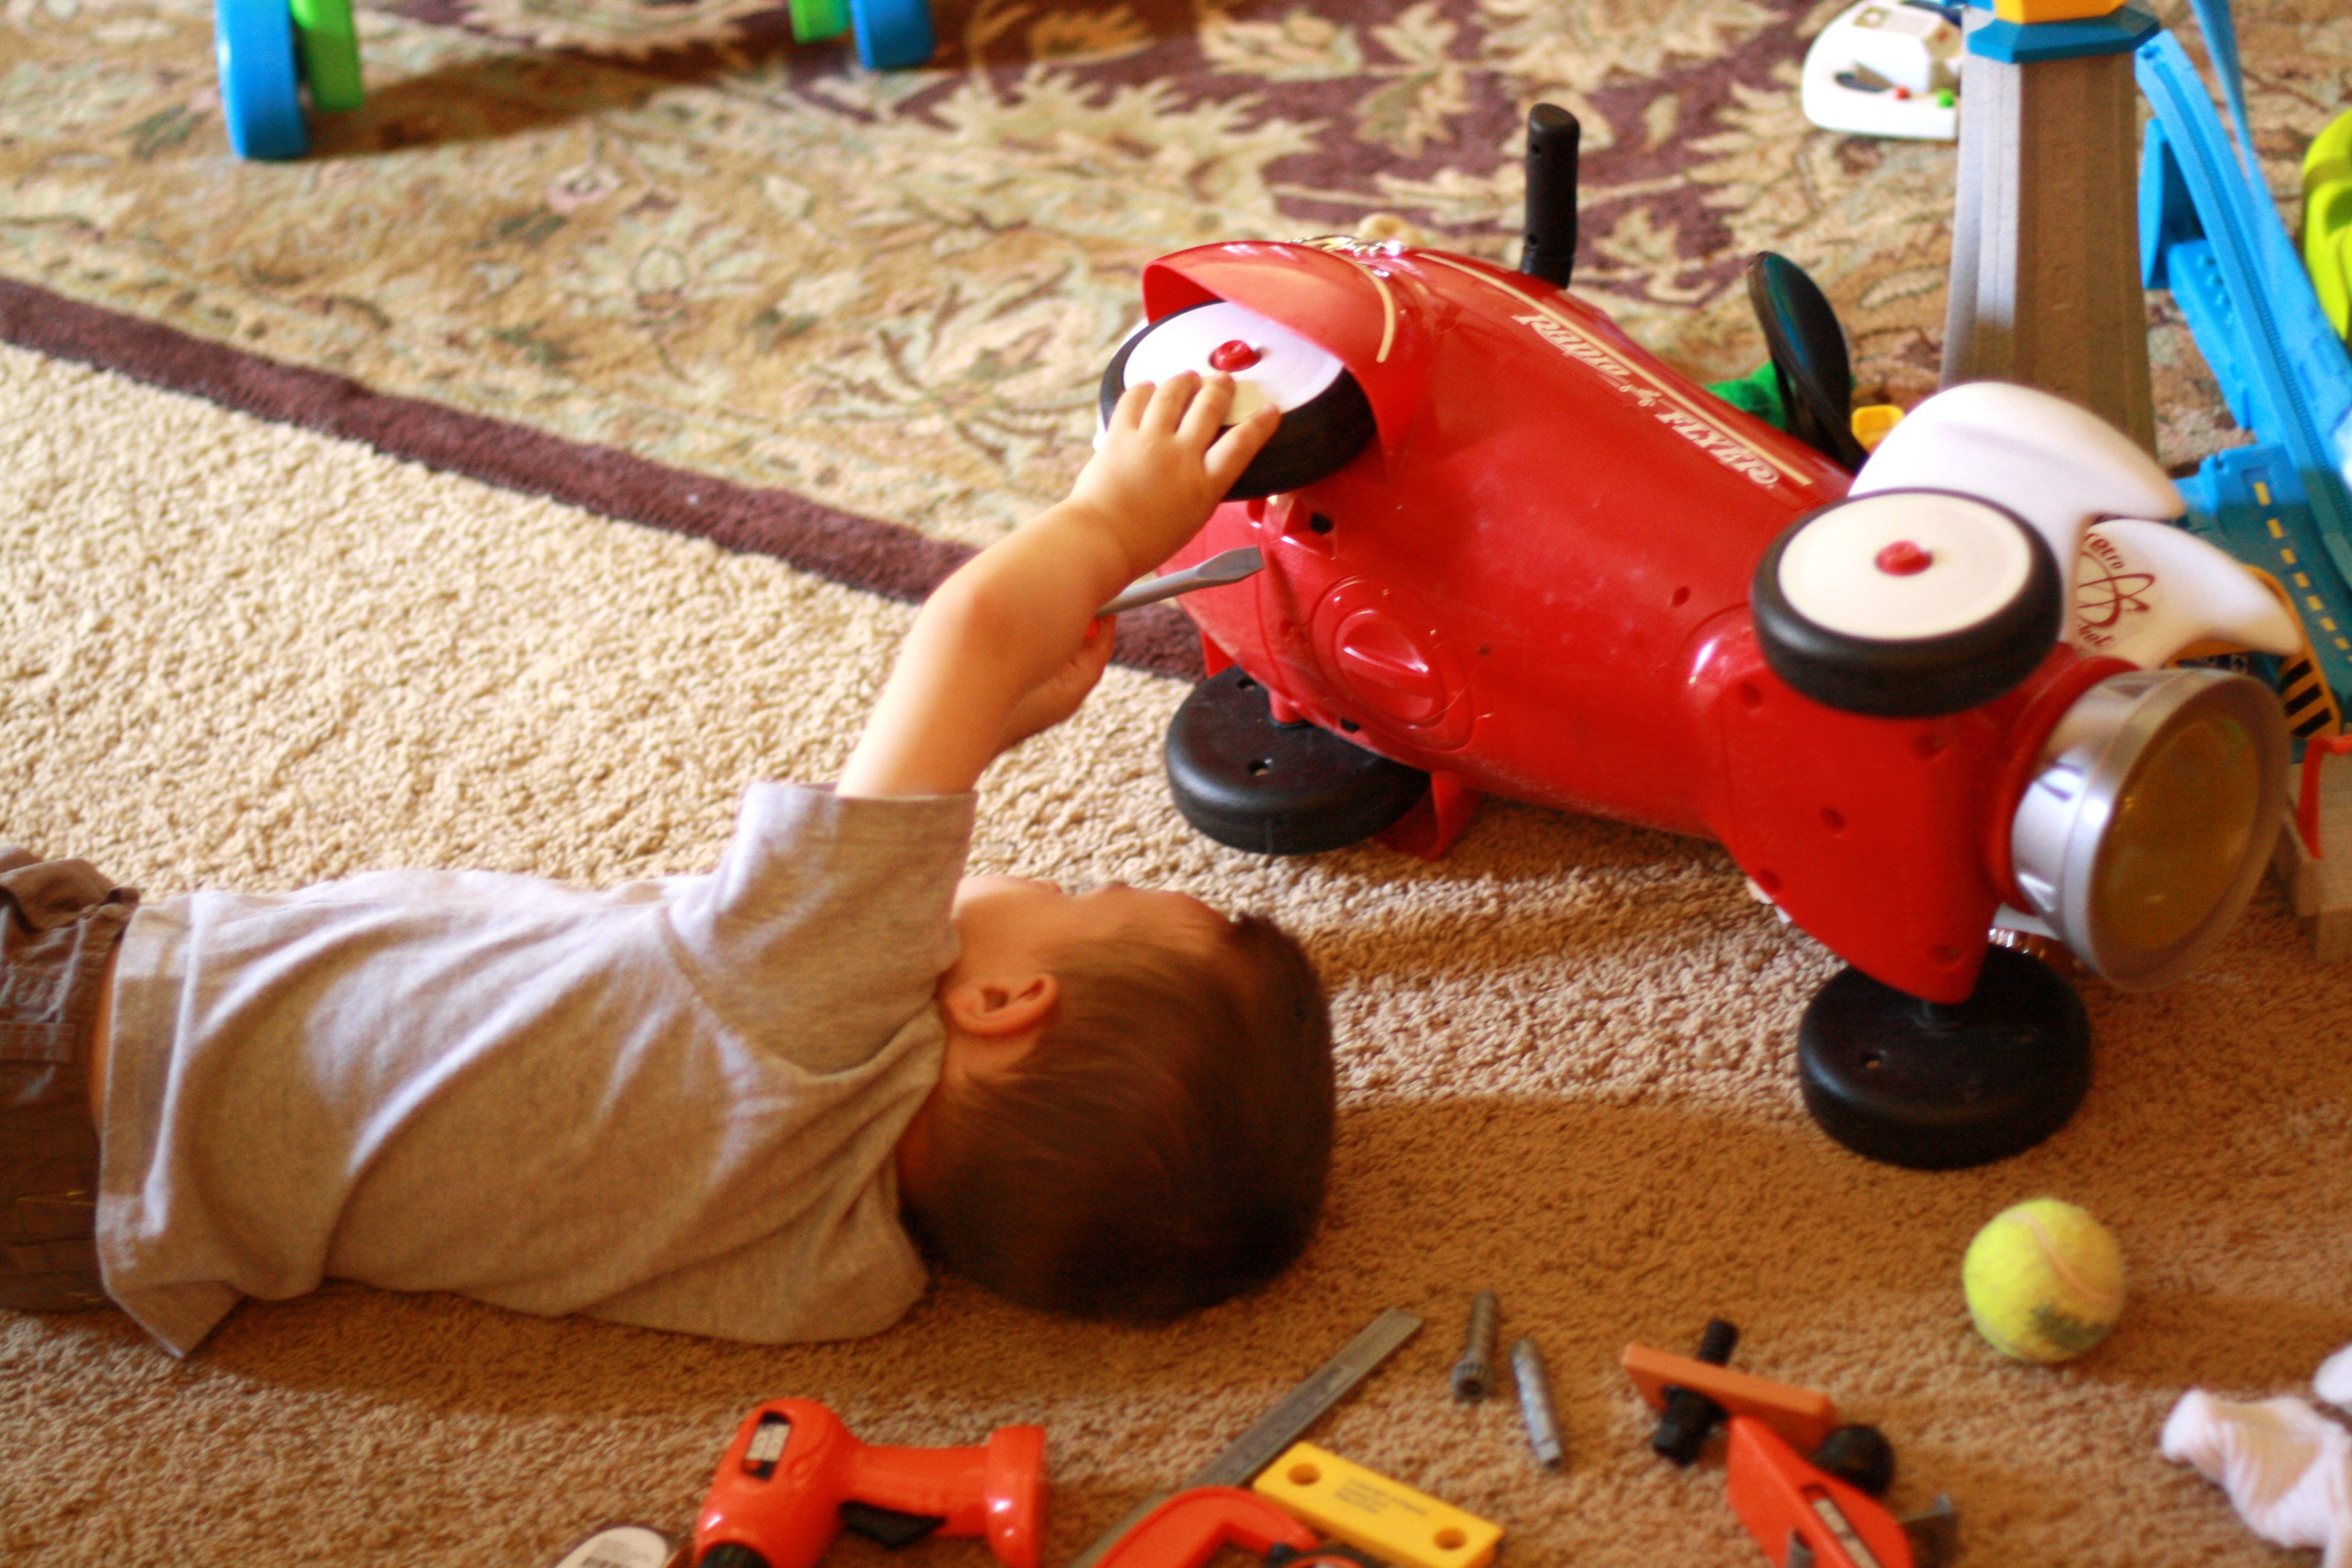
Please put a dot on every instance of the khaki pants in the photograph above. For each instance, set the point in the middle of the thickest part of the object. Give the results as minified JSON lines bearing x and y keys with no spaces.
{"x":60,"y":919}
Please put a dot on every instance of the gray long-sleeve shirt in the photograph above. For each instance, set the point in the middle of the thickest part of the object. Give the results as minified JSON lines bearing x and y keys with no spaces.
{"x":673,"y":1103}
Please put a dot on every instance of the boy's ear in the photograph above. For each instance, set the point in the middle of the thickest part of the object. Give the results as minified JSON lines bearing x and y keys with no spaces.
{"x":996,"y":1006}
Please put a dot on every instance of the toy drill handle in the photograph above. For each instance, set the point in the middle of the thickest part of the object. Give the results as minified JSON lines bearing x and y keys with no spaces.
{"x":996,"y":1490}
{"x":776,"y":1499}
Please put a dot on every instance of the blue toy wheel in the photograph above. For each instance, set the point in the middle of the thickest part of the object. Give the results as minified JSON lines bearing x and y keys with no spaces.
{"x":892,"y":34}
{"x":260,"y":81}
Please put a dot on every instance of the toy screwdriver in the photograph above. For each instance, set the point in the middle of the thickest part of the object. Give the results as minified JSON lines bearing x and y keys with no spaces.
{"x":1218,"y":569}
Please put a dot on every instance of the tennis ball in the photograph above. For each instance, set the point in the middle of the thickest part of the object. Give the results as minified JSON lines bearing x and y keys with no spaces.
{"x":2045,"y":1281}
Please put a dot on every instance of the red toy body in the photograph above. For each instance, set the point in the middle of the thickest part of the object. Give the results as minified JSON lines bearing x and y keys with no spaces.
{"x":1536,"y":581}
{"x":1787,"y":1503}
{"x":1495,"y":546}
{"x":780,"y":1489}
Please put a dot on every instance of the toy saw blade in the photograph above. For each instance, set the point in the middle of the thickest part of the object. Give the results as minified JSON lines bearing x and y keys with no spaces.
{"x":1284,"y":1423}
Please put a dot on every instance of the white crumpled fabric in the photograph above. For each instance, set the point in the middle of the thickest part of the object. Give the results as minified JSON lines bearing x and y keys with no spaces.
{"x":2286,"y":1467}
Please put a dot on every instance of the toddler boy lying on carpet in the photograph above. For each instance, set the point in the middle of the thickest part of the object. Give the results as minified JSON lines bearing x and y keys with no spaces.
{"x":729,"y":1104}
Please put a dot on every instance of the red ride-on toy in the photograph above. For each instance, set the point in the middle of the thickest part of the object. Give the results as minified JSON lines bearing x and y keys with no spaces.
{"x":1507,"y":551}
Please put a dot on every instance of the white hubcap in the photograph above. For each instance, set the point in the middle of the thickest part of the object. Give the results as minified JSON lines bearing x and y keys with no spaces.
{"x":1899,"y":565}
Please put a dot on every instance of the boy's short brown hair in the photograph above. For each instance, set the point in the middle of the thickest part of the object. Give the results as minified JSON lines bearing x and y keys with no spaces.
{"x":1164,"y":1145}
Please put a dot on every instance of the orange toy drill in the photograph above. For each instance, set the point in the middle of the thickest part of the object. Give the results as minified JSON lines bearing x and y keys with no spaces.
{"x":793,"y":1478}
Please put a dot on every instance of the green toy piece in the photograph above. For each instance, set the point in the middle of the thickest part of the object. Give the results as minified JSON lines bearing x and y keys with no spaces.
{"x":2327,"y":221}
{"x":1756,"y":393}
{"x":329,"y":47}
{"x":815,"y":20}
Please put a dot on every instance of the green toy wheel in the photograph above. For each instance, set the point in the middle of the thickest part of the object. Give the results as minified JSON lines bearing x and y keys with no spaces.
{"x":330,"y":48}
{"x":2327,"y":221}
{"x":815,"y":20}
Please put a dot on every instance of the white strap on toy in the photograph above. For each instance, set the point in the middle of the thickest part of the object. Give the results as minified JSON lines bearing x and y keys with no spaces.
{"x":2144,"y":590}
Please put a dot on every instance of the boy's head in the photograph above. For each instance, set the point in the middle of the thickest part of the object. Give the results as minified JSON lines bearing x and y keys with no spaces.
{"x":1135,"y":1116}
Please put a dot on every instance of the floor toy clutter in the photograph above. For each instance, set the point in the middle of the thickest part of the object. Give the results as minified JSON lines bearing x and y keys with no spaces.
{"x":1241,"y":1461}
{"x":1610,"y":592}
{"x":268,"y":62}
{"x":276,"y":56}
{"x":2045,"y":286}
{"x":1805,"y":1485}
{"x":2045,"y":1281}
{"x":1366,"y":1510}
{"x":794,"y":1478}
{"x":1886,"y":68}
{"x":2282,"y":503}
{"x":2285,"y":1466}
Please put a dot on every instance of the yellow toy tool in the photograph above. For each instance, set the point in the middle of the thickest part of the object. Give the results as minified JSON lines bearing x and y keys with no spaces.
{"x":1367,"y":1510}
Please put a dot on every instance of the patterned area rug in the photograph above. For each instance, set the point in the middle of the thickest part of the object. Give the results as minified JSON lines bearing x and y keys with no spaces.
{"x":659,"y":261}
{"x":665,"y":229}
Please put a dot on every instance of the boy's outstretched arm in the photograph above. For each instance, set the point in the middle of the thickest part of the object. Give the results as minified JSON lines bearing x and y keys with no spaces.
{"x":1009,"y":645}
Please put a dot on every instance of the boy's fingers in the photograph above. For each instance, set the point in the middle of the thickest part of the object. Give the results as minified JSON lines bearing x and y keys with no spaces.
{"x":1096,"y":653}
{"x":1208,"y":411}
{"x":1128,"y":413}
{"x":1168,"y":402}
{"x":1238,"y":445}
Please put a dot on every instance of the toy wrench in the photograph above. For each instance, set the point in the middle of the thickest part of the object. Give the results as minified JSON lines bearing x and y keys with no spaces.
{"x":1226,"y":566}
{"x":1803,"y":1517}
{"x":1194,"y":1526}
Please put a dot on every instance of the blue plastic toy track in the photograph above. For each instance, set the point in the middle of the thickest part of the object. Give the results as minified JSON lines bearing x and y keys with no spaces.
{"x":261,"y":82}
{"x":2209,"y":233}
{"x":892,"y":34}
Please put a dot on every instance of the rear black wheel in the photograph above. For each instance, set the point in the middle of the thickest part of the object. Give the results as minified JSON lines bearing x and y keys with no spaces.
{"x":1277,"y":789}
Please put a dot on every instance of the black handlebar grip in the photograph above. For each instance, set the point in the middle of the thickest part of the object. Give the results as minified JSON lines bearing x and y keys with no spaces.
{"x":1552,"y":137}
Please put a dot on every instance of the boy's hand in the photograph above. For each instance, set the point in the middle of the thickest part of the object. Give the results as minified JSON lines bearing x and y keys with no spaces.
{"x":1164,"y":464}
{"x":1011,"y":644}
{"x":1062,"y":694}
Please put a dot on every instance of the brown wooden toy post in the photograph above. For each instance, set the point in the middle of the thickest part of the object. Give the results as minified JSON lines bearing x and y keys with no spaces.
{"x":2045,"y":279}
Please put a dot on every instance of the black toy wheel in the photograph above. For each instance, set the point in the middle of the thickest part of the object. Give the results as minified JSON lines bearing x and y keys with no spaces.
{"x":1326,"y":419}
{"x":1931,"y":1088}
{"x":1859,"y":1455}
{"x":1907,"y":602}
{"x":1277,"y":789}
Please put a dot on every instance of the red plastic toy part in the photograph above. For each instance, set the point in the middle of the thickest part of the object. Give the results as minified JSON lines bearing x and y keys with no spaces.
{"x":1535,"y":585}
{"x":792,"y":1465}
{"x":1194,"y":1526}
{"x":1802,"y":1416}
{"x":1796,"y":1511}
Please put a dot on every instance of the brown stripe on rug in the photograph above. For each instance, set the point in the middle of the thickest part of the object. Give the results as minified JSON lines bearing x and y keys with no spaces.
{"x":856,"y":551}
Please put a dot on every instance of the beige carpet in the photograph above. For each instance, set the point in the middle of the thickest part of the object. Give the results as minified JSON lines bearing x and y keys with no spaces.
{"x":242,"y":654}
